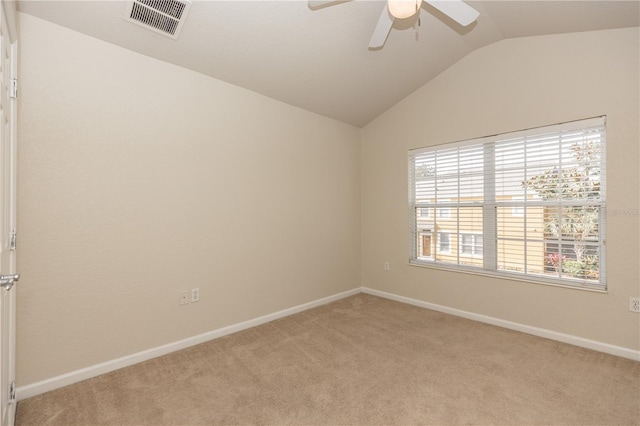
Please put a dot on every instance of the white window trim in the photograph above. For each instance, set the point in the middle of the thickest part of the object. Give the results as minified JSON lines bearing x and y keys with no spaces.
{"x":489,"y":212}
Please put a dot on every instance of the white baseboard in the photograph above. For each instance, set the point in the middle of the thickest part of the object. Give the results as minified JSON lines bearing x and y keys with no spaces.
{"x":23,"y":392}
{"x":540,"y":332}
{"x":38,"y":388}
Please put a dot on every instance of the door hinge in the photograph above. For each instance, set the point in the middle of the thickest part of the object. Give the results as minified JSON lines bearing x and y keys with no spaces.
{"x":12,"y":392}
{"x":13,"y":88}
{"x":13,"y":240}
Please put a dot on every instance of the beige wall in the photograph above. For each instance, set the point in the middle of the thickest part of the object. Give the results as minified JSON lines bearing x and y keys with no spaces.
{"x":138,"y":179}
{"x":511,"y":85}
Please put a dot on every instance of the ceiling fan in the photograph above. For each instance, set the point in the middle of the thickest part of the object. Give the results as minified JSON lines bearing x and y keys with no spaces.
{"x":457,"y":10}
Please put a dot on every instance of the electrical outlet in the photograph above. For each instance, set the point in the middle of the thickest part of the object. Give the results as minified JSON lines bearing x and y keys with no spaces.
{"x":184,"y":297}
{"x":387,"y":265}
{"x":195,"y":294}
{"x":634,"y":304}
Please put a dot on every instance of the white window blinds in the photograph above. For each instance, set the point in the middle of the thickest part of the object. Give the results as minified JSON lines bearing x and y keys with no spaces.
{"x":529,"y":203}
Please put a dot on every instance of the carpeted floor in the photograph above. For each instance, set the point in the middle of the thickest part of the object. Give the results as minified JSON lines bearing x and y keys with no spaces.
{"x":362,"y":360}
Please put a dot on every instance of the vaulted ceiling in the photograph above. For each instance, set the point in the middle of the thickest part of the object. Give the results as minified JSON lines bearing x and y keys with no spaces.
{"x":319,"y":59}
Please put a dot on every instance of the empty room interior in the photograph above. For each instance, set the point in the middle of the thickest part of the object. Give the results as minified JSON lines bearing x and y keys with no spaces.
{"x":292,"y":212}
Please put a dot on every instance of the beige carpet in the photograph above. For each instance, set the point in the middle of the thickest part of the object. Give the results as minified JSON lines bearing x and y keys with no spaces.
{"x":362,"y":360}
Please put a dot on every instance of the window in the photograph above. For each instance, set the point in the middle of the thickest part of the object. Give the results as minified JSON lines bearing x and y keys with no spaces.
{"x":444,"y":242}
{"x":471,"y":244}
{"x":524,"y":204}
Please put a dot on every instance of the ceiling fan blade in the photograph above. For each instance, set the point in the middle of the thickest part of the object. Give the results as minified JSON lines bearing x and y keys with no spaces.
{"x":457,"y":10}
{"x":382,"y":29}
{"x":317,"y":4}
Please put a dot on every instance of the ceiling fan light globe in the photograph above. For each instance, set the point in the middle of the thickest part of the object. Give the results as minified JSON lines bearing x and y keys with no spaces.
{"x":403,"y":8}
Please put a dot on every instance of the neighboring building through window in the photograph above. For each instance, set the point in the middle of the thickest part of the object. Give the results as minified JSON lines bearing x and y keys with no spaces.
{"x":528,"y":203}
{"x":424,"y":248}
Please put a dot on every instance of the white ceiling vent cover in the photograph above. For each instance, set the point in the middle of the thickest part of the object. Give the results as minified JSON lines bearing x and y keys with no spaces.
{"x":161,"y":16}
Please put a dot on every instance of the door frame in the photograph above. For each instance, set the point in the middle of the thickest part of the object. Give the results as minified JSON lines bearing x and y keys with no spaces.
{"x":8,"y":16}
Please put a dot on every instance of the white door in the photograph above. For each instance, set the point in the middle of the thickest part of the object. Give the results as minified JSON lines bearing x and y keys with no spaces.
{"x":8,"y":276}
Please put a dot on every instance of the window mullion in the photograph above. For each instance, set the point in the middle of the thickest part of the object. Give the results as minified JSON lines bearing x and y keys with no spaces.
{"x":489,"y":220}
{"x":458,"y":209}
{"x":525,"y":211}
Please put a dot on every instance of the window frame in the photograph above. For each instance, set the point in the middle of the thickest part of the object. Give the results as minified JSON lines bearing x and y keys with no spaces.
{"x":490,"y":235}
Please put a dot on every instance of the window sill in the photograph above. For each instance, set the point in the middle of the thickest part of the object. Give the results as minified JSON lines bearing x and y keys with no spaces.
{"x":509,"y":277}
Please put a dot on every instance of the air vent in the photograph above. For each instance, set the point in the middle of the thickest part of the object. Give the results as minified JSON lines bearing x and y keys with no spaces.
{"x":161,"y":16}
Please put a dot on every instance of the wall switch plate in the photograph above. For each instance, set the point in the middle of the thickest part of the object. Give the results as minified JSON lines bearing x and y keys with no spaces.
{"x":387,"y":265}
{"x":184,"y":297}
{"x":634,"y":304}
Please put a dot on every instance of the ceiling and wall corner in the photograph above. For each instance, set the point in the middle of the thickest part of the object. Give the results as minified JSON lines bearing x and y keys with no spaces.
{"x":318,"y":60}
